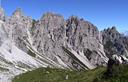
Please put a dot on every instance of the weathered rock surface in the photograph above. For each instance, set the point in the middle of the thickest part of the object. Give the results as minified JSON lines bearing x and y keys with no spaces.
{"x":114,"y":42}
{"x":2,"y":14}
{"x":27,"y":44}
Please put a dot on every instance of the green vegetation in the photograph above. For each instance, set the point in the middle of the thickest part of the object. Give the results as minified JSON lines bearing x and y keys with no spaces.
{"x":118,"y":74}
{"x":58,"y":75}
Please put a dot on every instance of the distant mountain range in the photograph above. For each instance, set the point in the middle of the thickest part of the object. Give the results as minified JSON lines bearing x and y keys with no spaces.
{"x":52,"y":41}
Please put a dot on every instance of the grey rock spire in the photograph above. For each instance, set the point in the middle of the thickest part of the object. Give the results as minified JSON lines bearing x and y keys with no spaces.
{"x":18,"y":13}
{"x":2,"y":14}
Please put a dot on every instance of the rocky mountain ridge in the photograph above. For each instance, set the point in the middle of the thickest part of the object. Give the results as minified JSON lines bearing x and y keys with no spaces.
{"x":75,"y":44}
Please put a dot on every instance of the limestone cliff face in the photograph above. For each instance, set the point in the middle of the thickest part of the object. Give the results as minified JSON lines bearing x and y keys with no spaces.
{"x":84,"y":37}
{"x":18,"y":25}
{"x":49,"y":37}
{"x":52,"y":41}
{"x":2,"y":14}
{"x":114,"y":42}
{"x":59,"y":40}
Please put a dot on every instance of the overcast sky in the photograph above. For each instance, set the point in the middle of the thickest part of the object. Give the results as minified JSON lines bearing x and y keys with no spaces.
{"x":102,"y":13}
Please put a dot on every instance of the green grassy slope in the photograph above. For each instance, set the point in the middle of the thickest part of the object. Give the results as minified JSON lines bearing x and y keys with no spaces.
{"x":119,"y":74}
{"x":58,"y":75}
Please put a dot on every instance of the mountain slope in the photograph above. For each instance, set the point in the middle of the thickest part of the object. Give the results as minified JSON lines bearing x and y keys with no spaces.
{"x":52,"y":41}
{"x":59,"y":75}
{"x":113,"y":73}
{"x":14,"y":56}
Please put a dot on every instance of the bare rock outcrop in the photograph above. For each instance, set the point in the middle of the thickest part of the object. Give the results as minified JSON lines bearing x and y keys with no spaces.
{"x":52,"y":41}
{"x":114,"y":42}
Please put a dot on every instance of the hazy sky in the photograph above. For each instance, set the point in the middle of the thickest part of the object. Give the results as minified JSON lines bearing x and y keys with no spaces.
{"x":102,"y":13}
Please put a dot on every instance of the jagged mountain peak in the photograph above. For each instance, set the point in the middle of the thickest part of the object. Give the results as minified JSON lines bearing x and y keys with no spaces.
{"x":113,"y":29}
{"x":73,"y":17}
{"x":50,"y":15}
{"x":114,"y":42}
{"x":2,"y":14}
{"x":18,"y":13}
{"x":111,"y":33}
{"x":52,"y":41}
{"x":73,"y":20}
{"x":80,"y":21}
{"x":126,"y":33}
{"x":52,"y":20}
{"x":75,"y":24}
